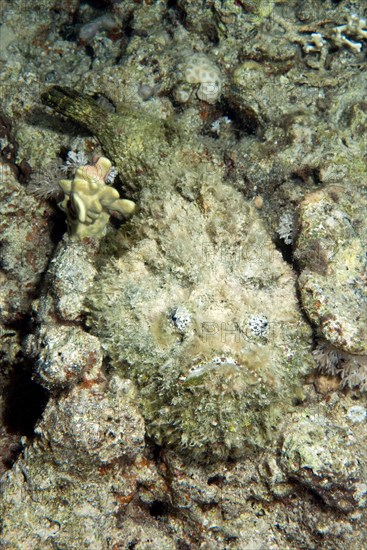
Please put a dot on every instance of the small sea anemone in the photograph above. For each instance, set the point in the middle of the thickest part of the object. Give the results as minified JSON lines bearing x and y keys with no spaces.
{"x":44,"y":183}
{"x":352,"y":369}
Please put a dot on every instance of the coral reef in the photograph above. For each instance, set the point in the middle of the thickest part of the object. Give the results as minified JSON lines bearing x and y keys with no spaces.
{"x":26,"y":248}
{"x":152,"y":378}
{"x":183,"y":402}
{"x":214,"y":391}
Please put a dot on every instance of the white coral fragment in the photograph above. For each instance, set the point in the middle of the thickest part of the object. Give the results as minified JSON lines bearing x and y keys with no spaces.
{"x":74,"y":160}
{"x":286,"y":228}
{"x":315,"y":43}
{"x":355,"y":28}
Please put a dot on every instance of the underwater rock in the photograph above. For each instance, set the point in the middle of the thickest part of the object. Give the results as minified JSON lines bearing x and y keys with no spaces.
{"x":75,"y":472}
{"x":133,"y":139}
{"x":69,"y":278}
{"x":62,"y":355}
{"x":26,"y":246}
{"x":62,"y":352}
{"x":331,"y":251}
{"x":96,"y":425}
{"x":325,"y":458}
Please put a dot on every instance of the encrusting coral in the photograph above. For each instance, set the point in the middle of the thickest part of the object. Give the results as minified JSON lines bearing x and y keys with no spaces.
{"x":198,"y":69}
{"x":89,"y":202}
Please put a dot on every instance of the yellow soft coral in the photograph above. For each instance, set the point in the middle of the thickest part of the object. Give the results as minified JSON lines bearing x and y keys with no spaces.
{"x":89,"y":202}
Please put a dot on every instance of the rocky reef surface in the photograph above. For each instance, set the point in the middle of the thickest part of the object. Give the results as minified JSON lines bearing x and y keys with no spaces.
{"x":191,"y":373}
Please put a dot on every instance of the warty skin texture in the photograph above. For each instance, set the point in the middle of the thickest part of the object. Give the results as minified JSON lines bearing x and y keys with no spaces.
{"x":214,"y":388}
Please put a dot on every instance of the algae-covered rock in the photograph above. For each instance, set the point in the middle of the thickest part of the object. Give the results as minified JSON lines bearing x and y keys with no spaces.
{"x":62,"y":352}
{"x":134,"y":140}
{"x":69,"y":278}
{"x":73,"y":472}
{"x":62,"y":355}
{"x":26,"y":246}
{"x":331,"y":250}
{"x":95,"y":426}
{"x":326,"y":459}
